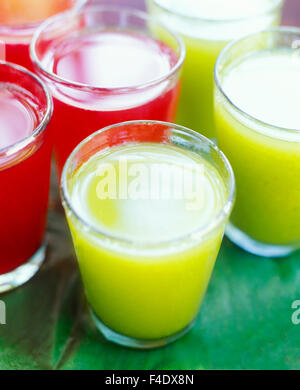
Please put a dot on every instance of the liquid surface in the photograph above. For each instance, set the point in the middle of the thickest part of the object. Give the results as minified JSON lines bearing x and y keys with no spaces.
{"x":267,"y":87}
{"x":18,"y":117}
{"x":217,"y":20}
{"x":154,"y":206}
{"x":112,"y":59}
{"x":218,"y":9}
{"x":17,"y":12}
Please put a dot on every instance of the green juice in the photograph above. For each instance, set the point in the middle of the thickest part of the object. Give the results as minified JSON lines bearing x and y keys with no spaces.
{"x":196,"y":100}
{"x":264,"y":153}
{"x":145,"y":273}
{"x":206,"y":27}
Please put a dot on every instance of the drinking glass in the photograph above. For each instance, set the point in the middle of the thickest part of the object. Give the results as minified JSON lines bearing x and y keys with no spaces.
{"x":20,"y":18}
{"x":262,"y":143}
{"x":206,"y":27}
{"x":145,"y":287}
{"x":82,"y":102}
{"x":24,"y":173}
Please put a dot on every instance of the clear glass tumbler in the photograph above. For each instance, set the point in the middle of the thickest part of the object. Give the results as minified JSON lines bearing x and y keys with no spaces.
{"x":206,"y":27}
{"x":258,"y":127}
{"x":146,"y":258}
{"x":105,"y":65}
{"x":20,"y":18}
{"x":25,"y":160}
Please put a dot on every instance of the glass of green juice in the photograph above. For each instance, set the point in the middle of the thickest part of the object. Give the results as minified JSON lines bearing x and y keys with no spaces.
{"x":206,"y":27}
{"x":257,"y":115}
{"x":147,"y":203}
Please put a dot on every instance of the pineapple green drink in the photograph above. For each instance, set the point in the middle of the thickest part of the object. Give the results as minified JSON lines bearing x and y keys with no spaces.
{"x":206,"y":27}
{"x":258,"y":127}
{"x":147,"y":205}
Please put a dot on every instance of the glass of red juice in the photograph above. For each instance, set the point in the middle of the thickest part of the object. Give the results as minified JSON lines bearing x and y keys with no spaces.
{"x":106,"y":65}
{"x":25,"y":159}
{"x":20,"y":18}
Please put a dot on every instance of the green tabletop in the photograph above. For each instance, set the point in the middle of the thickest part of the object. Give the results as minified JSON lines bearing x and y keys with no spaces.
{"x":245,"y":321}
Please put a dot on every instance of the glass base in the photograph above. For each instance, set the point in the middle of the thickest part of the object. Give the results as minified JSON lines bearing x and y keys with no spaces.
{"x":130,"y":342}
{"x":22,"y":274}
{"x":255,"y":247}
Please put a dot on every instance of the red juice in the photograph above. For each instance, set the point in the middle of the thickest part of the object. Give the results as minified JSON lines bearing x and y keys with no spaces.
{"x":18,"y":21}
{"x":18,"y":53}
{"x":101,"y":75}
{"x":25,"y":158}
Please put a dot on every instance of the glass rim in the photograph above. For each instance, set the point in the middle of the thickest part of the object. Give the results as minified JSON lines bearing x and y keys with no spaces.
{"x":24,"y":142}
{"x":28,"y":28}
{"x":277,"y":4}
{"x":282,"y":30}
{"x":90,"y":88}
{"x":200,"y":232}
